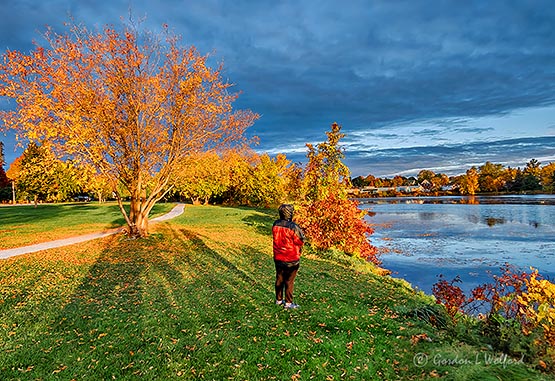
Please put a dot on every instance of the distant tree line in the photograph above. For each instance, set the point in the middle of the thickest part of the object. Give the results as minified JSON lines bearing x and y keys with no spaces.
{"x":243,"y":177}
{"x":488,"y":178}
{"x":240,"y":177}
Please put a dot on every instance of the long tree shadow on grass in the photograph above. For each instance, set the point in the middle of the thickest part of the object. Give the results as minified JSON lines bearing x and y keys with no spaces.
{"x":262,"y":221}
{"x":103,"y":328}
{"x":146,"y":308}
{"x":242,"y":269}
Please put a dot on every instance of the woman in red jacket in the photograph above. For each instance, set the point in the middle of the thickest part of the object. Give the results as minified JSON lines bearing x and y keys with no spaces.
{"x":288,"y":241}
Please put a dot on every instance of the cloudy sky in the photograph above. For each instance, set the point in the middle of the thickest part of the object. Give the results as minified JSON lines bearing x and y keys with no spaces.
{"x":416,"y":84}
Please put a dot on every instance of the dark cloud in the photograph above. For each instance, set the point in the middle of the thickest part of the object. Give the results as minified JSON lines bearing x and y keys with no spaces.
{"x":371,"y":66}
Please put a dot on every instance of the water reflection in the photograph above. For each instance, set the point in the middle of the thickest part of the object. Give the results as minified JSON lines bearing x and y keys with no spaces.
{"x":426,"y":216}
{"x":492,"y":221}
{"x":425,"y":239}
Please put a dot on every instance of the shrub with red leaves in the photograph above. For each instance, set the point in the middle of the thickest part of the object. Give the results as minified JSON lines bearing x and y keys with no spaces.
{"x":450,"y":295}
{"x":337,"y":223}
{"x":328,"y":218}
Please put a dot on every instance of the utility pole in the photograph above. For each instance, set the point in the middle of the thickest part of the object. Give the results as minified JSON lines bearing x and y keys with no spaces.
{"x":13,"y":191}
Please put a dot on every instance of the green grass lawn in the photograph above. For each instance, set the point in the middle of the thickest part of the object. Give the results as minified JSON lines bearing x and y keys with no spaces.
{"x":27,"y":225}
{"x":195,"y":301}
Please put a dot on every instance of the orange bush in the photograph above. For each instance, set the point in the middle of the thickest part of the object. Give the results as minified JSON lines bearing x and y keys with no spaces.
{"x":337,"y":223}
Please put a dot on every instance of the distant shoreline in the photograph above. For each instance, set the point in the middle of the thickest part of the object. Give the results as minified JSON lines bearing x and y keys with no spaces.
{"x":536,"y":199}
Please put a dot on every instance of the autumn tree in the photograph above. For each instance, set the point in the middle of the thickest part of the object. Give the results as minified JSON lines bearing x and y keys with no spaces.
{"x":329,"y":218}
{"x":271,"y":175}
{"x":241,"y":183}
{"x":491,"y":177}
{"x":325,"y":171}
{"x":370,"y":181}
{"x":397,"y":181}
{"x":4,"y":181}
{"x":202,"y":177}
{"x":260,"y":180}
{"x":35,"y":179}
{"x":96,"y":183}
{"x":548,"y":177}
{"x":132,"y":105}
{"x":359,"y":182}
{"x":40,"y":176}
{"x":468,"y":183}
{"x":426,"y":175}
{"x":509,"y":176}
{"x":293,"y":182}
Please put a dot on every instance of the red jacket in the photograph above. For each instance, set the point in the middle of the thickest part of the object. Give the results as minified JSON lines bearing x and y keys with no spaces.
{"x":288,"y":241}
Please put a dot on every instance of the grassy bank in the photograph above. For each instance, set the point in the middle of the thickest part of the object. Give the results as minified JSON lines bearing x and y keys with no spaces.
{"x":195,"y":301}
{"x":26,"y":225}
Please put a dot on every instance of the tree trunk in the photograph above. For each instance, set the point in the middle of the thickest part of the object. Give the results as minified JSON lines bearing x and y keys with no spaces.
{"x":139,"y":209}
{"x":138,"y":218}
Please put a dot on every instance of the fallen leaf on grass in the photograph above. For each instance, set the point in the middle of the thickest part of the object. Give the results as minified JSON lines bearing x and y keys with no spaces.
{"x":415,"y":339}
{"x":62,"y":367}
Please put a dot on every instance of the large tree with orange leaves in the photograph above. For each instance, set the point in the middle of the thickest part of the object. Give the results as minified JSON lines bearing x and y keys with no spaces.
{"x":134,"y":105}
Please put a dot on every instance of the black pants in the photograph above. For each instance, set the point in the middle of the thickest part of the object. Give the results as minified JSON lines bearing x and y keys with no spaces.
{"x":285,"y":279}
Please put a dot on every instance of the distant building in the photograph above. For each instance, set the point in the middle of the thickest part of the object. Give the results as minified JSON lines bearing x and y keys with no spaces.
{"x":400,"y":189}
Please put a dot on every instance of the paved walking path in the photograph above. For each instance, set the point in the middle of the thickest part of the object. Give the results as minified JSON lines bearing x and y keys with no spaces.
{"x":176,"y":211}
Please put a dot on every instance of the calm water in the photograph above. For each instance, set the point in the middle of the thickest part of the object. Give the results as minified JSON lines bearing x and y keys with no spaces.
{"x":423,"y":238}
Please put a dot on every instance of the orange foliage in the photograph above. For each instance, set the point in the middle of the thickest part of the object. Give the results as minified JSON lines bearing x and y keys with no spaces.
{"x":129,"y":104}
{"x":518,"y":297}
{"x":329,"y":219}
{"x":337,"y":223}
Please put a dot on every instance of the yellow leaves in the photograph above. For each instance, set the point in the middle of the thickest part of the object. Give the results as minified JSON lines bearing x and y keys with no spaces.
{"x":537,"y":305}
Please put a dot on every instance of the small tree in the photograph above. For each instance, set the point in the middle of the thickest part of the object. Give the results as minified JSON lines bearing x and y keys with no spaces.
{"x":96,"y":183}
{"x":132,"y":105}
{"x":532,"y":176}
{"x":469,"y":182}
{"x":328,"y":217}
{"x":36,"y":177}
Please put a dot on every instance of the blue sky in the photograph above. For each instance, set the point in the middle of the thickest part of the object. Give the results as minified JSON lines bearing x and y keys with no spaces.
{"x":440,"y":85}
